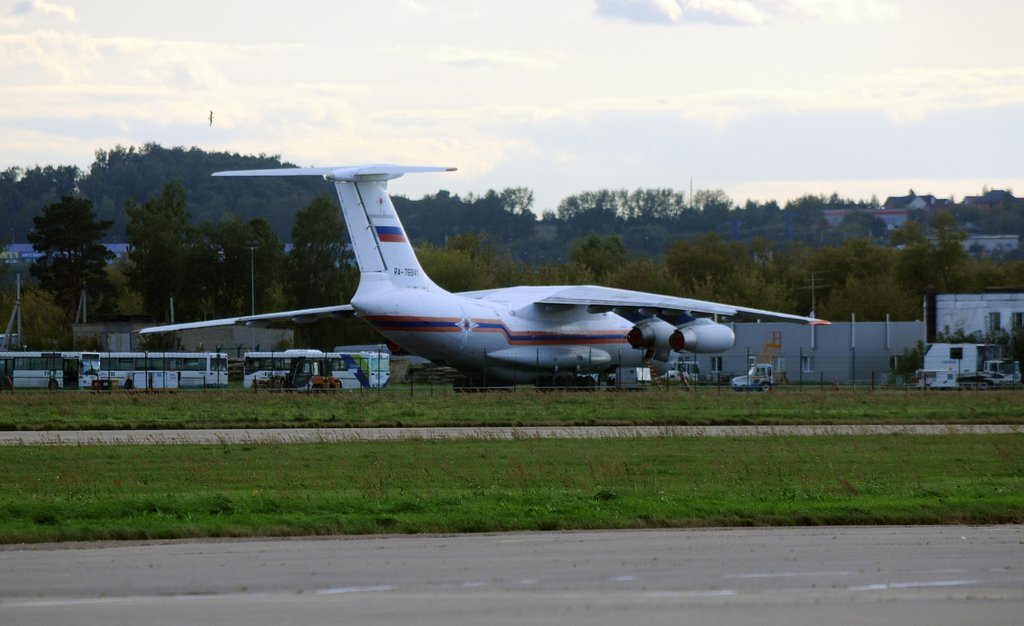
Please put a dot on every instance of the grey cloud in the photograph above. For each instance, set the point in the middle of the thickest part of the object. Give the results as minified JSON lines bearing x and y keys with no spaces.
{"x":28,"y":8}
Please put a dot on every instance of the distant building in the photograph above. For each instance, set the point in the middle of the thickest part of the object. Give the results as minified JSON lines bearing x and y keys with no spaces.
{"x":893,"y":218}
{"x":120,"y":335}
{"x":991,"y":244}
{"x":24,"y":252}
{"x":843,"y":352}
{"x":914,"y":201}
{"x":993,"y":311}
{"x":990,"y":199}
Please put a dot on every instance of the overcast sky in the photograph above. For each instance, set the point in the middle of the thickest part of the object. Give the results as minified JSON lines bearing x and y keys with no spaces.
{"x":762,"y":98}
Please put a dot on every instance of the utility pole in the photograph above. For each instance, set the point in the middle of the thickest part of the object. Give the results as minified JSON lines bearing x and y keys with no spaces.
{"x":814,"y":286}
{"x":252,"y":289}
{"x":82,"y":314}
{"x":15,"y":317}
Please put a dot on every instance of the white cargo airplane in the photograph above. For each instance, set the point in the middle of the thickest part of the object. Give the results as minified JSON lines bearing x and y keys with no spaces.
{"x":543,"y":335}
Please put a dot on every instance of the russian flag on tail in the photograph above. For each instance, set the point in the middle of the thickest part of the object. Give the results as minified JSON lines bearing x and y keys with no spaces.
{"x":390,"y":234}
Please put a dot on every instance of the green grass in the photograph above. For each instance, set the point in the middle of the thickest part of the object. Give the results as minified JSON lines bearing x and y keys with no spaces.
{"x":233,"y":409}
{"x":146,"y":492}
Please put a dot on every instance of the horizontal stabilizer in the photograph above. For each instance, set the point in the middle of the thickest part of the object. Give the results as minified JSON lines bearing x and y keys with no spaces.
{"x":343,"y":173}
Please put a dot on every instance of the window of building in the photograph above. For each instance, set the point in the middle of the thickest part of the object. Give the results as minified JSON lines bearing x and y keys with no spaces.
{"x":994,"y":321}
{"x":956,"y":354}
{"x":716,"y":364}
{"x":1017,"y":321}
{"x":807,"y":364}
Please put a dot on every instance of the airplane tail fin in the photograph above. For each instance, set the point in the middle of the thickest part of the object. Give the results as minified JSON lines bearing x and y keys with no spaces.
{"x":382,"y":249}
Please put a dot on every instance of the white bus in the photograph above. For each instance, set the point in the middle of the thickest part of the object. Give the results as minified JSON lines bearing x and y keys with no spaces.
{"x":127,"y":370}
{"x":39,"y":370}
{"x":355,"y":370}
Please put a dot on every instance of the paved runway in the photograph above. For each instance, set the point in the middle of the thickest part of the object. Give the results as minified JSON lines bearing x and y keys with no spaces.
{"x":313,"y":435}
{"x":847,"y":575}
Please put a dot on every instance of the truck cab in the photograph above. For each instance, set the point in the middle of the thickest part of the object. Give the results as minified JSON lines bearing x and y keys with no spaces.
{"x":760,"y":377}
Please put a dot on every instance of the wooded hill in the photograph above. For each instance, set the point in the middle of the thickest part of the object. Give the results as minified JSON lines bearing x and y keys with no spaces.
{"x":647,"y":220}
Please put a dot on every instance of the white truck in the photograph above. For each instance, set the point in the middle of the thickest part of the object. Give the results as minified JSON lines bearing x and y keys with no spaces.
{"x":970,"y":365}
{"x":760,"y":377}
{"x":629,"y":378}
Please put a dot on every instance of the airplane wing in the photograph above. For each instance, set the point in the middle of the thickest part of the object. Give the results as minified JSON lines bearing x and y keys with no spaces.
{"x":298,"y":316}
{"x":638,"y":304}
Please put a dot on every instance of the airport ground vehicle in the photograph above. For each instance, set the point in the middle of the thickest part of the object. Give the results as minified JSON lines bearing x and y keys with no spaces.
{"x":352,"y":369}
{"x":128,"y":370}
{"x":629,"y":378}
{"x":760,"y":377}
{"x":39,"y":370}
{"x":106,"y":370}
{"x":970,"y":365}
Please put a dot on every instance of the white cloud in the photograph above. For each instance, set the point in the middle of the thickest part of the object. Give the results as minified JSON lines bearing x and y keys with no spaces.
{"x":837,"y":10}
{"x":652,"y":11}
{"x":29,"y":8}
{"x":74,"y":57}
{"x":729,"y":12}
{"x":494,"y":58}
{"x":745,"y":12}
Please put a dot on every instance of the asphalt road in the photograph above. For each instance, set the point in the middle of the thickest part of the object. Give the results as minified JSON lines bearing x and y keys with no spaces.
{"x":846,"y":575}
{"x":312,"y":435}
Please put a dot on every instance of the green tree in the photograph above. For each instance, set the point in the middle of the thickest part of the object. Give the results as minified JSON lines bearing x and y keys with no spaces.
{"x":320,"y":270}
{"x":68,"y":235}
{"x":43,"y":324}
{"x":939,"y":261}
{"x":704,"y":267}
{"x":233,"y":258}
{"x":161,"y":240}
{"x":602,"y":255}
{"x":455,"y":269}
{"x":517,"y":200}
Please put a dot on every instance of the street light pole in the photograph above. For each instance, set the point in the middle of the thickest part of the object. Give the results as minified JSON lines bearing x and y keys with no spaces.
{"x":252,"y":289}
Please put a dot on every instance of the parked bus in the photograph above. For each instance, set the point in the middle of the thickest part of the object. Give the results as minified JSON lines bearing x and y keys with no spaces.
{"x":353,"y":369}
{"x":127,"y":370}
{"x":39,"y":370}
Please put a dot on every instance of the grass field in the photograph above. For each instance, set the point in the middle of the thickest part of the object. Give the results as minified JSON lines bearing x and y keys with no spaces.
{"x":236,"y":409}
{"x":145,"y":492}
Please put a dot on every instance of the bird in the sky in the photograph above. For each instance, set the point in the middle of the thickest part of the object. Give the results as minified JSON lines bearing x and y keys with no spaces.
{"x":211,"y":118}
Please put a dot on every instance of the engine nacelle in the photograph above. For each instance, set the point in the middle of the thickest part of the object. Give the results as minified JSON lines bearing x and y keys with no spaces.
{"x":702,"y":335}
{"x":651,"y":333}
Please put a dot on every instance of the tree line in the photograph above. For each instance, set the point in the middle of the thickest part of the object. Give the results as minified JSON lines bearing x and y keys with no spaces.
{"x":180,"y":270}
{"x":648,"y":220}
{"x":198,"y":241}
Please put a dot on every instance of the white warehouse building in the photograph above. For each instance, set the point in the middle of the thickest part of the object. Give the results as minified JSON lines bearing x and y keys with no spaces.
{"x":993,"y":311}
{"x":841,"y":352}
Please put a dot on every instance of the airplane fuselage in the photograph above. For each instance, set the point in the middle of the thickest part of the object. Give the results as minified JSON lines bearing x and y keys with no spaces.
{"x":504,"y":333}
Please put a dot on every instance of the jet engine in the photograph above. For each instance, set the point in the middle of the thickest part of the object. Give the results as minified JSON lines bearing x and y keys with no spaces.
{"x":651,"y":333}
{"x":702,"y":335}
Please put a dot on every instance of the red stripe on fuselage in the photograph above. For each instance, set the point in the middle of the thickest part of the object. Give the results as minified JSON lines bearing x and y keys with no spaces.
{"x":413,"y":324}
